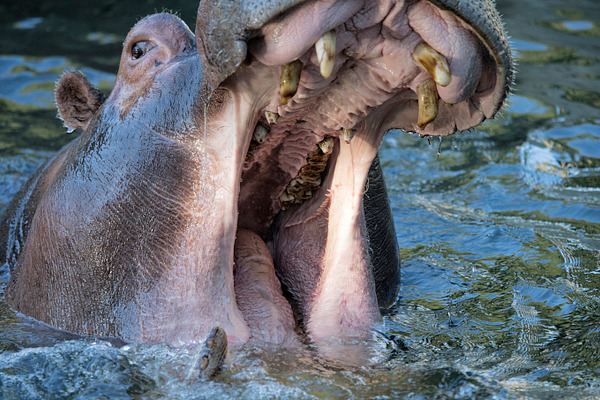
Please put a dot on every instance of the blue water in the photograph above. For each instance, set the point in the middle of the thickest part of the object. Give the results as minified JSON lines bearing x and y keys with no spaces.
{"x":499,"y":233}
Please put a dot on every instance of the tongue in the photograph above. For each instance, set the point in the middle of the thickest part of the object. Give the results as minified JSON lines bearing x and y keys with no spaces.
{"x":258,"y":292}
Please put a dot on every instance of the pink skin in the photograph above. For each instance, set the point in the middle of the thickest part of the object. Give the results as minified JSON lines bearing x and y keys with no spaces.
{"x":273,"y":47}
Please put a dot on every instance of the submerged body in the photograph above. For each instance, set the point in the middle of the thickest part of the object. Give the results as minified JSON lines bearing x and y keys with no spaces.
{"x":201,"y":182}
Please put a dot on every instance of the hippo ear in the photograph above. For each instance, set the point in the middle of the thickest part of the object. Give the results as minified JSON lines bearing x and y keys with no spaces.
{"x":77,"y":100}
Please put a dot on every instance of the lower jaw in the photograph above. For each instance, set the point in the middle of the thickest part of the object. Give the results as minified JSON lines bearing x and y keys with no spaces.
{"x":321,"y":252}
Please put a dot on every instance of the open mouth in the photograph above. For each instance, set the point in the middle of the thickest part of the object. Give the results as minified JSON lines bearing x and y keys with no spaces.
{"x":261,"y":152}
{"x":323,"y":82}
{"x":365,"y":74}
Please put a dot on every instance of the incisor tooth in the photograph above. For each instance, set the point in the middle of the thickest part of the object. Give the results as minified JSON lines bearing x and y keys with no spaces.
{"x":428,"y":102}
{"x":271,"y":117}
{"x":325,"y":48}
{"x":433,"y":62}
{"x":289,"y":80}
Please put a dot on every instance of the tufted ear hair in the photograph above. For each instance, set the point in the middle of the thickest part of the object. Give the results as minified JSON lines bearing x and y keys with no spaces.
{"x":77,"y":100}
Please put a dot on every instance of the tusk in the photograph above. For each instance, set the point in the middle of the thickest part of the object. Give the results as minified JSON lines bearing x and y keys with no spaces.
{"x":325,"y":48}
{"x":428,"y":102}
{"x":289,"y":80}
{"x":433,"y":62}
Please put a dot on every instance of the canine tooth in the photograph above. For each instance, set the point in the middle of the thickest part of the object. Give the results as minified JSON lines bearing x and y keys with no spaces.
{"x":289,"y":80}
{"x":428,"y":102}
{"x":260,"y":133}
{"x":433,"y":62}
{"x":326,"y":145}
{"x":347,"y":134}
{"x":325,"y":48}
{"x":271,"y":117}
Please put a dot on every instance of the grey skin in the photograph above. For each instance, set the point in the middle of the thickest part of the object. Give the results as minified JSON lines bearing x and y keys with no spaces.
{"x":130,"y":230}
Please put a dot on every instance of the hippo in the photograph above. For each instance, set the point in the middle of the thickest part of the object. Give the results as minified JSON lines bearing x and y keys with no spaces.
{"x":231,"y":178}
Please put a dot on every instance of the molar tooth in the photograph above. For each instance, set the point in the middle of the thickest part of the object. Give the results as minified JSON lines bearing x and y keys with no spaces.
{"x":348,"y":134}
{"x":271,"y":117}
{"x":428,"y":102}
{"x":286,"y":197}
{"x":326,"y":145}
{"x":289,"y":80}
{"x":325,"y":48}
{"x":433,"y":62}
{"x":307,"y":195}
{"x":260,"y":133}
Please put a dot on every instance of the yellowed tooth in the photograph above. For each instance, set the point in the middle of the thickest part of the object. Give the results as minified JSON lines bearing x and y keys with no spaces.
{"x":289,"y":80}
{"x":260,"y":133}
{"x":271,"y":117}
{"x":286,"y":197}
{"x":347,"y":134}
{"x":325,"y":48}
{"x":433,"y":62}
{"x":428,"y":102}
{"x":326,"y":145}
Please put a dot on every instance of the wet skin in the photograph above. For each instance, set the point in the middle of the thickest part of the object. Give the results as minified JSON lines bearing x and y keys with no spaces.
{"x":201,"y":185}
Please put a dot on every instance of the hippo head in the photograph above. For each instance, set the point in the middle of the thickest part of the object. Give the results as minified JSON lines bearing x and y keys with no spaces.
{"x":267,"y":122}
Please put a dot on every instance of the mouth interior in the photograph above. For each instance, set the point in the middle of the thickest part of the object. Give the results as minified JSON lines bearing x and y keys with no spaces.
{"x":373,"y":86}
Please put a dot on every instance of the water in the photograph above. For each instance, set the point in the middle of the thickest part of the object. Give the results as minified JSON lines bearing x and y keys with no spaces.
{"x":500,"y":234}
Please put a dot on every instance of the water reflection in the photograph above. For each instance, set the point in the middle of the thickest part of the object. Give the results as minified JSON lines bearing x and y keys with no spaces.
{"x":29,"y":23}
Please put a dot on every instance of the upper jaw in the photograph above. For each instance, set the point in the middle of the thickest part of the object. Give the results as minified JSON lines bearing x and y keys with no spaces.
{"x":479,"y":62}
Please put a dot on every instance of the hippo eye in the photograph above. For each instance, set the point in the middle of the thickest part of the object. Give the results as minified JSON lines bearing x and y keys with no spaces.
{"x":140,"y":48}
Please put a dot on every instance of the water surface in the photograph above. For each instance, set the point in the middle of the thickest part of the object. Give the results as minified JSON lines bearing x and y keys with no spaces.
{"x":499,"y":233}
